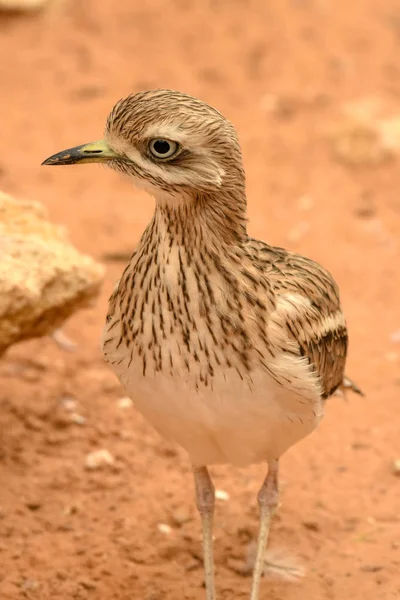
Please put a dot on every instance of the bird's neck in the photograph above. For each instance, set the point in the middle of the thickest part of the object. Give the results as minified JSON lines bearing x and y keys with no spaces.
{"x":206,"y":219}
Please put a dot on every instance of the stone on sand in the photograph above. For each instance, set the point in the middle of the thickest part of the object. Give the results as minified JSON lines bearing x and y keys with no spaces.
{"x":43,"y":278}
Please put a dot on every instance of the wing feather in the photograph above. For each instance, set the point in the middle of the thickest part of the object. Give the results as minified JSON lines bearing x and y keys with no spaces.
{"x":308,"y":297}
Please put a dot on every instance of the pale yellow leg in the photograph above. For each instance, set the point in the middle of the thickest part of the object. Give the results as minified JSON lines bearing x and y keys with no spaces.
{"x":267,"y":501}
{"x":205,"y":498}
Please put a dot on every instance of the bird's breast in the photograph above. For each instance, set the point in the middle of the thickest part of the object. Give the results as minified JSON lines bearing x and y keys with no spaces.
{"x":223,"y":416}
{"x":206,"y":379}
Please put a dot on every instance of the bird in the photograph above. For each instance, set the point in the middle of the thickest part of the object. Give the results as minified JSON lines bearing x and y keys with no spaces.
{"x":229,"y":346}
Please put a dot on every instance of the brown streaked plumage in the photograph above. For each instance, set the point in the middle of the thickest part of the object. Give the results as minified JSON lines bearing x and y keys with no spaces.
{"x":229,"y":346}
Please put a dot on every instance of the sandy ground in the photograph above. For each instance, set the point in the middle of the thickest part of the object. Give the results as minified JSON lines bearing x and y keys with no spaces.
{"x":282,"y":71}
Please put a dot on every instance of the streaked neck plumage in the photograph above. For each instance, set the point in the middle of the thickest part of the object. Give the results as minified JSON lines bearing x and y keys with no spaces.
{"x":216,"y":217}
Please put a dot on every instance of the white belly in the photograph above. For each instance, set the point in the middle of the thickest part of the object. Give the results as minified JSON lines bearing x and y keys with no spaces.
{"x":232,"y":420}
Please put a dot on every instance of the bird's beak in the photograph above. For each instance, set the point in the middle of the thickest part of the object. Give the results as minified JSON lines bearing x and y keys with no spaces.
{"x":87,"y":153}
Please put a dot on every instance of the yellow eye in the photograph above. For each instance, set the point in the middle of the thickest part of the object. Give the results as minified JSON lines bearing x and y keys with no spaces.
{"x":163,"y":148}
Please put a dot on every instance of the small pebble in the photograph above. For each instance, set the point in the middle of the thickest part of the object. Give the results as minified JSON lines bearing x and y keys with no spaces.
{"x":68,"y":403}
{"x":78,"y":419}
{"x":164,"y":528}
{"x":221,"y":495}
{"x":98,"y":459}
{"x":125,"y":403}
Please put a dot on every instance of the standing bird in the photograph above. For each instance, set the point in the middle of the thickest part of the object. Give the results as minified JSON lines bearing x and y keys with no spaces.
{"x":228,"y":345}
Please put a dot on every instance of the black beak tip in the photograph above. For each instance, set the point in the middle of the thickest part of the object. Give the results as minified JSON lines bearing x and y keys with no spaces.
{"x":58,"y":159}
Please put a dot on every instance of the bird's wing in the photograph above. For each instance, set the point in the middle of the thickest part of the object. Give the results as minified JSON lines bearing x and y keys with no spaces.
{"x":308,"y":304}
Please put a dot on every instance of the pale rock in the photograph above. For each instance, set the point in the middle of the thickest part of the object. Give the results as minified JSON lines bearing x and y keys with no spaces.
{"x":222,"y":495}
{"x":125,"y":403}
{"x":98,"y":459}
{"x":43,"y":278}
{"x":164,"y":528}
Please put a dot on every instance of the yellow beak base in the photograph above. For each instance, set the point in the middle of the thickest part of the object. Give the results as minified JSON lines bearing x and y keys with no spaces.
{"x":87,"y":153}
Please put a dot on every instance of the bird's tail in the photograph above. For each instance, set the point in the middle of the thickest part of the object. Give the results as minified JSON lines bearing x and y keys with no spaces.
{"x":348,"y":384}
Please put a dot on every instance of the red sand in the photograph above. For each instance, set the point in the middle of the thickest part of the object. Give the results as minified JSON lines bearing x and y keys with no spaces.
{"x":70,"y":533}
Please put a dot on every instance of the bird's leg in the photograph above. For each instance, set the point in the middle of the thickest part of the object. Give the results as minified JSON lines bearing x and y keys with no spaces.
{"x":205,"y":498}
{"x":267,"y":502}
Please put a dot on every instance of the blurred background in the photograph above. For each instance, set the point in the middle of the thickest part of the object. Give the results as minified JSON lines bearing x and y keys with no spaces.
{"x":313,"y":88}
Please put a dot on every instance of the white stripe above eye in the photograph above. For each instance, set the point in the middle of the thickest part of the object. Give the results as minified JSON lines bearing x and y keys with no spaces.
{"x":167,"y":131}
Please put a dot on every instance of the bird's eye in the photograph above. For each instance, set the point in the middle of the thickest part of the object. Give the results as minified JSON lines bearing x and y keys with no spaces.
{"x":163,"y":148}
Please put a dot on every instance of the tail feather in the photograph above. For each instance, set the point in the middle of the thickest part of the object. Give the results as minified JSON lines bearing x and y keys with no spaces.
{"x":348,"y":384}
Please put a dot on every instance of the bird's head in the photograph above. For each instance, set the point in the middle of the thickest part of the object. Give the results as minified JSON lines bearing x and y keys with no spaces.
{"x":173,"y":145}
